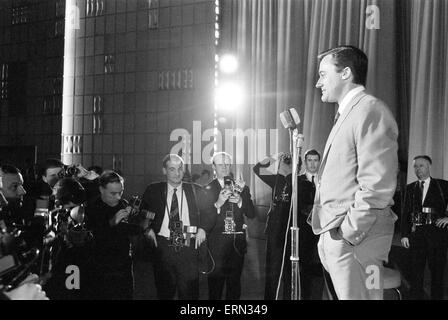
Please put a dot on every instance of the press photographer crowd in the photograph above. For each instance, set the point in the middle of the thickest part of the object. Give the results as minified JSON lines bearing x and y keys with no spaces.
{"x":71,"y":229}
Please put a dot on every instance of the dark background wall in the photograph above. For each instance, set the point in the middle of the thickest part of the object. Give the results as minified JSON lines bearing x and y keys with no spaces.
{"x":134,"y":71}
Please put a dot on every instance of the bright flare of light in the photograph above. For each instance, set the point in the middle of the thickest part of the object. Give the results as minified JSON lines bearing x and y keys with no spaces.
{"x":228,"y":63}
{"x":229,"y":97}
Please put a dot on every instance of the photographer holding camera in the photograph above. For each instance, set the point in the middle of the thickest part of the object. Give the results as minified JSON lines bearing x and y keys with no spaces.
{"x":225,"y":205}
{"x":11,"y":195}
{"x":40,"y":198}
{"x":176,"y":233}
{"x":112,"y":256}
{"x":67,"y":241}
{"x":279,"y":179}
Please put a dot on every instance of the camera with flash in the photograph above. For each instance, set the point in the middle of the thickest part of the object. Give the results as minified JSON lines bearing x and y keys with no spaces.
{"x":181,"y":235}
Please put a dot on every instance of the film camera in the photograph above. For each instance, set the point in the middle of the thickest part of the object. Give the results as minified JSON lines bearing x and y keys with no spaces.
{"x":426,"y":216}
{"x":177,"y":231}
{"x":236,"y":187}
{"x":286,"y":158}
{"x":16,"y":259}
{"x":137,"y":214}
{"x":71,"y":171}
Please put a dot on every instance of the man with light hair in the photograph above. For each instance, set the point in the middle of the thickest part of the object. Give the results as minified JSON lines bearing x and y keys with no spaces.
{"x":226,"y":203}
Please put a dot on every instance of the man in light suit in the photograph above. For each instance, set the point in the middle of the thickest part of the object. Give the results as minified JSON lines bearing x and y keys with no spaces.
{"x":357,"y":179}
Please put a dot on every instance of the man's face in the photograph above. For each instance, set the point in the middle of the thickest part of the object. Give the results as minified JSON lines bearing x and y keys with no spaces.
{"x":312,"y":162}
{"x":222,"y":164}
{"x":13,"y":188}
{"x":421,"y":168}
{"x":174,"y":172}
{"x":52,"y":176}
{"x":112,"y":193}
{"x":330,"y":81}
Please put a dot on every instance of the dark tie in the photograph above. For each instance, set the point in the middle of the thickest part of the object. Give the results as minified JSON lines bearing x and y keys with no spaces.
{"x":312,"y":179}
{"x":336,"y":117}
{"x":174,"y":209}
{"x":419,"y":196}
{"x":422,"y":185}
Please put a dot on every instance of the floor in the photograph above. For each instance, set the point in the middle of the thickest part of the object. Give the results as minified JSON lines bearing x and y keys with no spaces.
{"x":252,"y":278}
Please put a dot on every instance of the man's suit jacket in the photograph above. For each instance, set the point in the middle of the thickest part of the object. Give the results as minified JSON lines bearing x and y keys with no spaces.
{"x":154,"y":199}
{"x":306,"y":192}
{"x":358,"y":173}
{"x":437,"y":198}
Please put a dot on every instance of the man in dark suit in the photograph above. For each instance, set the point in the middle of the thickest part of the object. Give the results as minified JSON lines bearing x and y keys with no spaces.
{"x":277,"y":222}
{"x":423,"y":227}
{"x":224,"y":209}
{"x":175,"y":205}
{"x":107,"y":216}
{"x":309,"y":261}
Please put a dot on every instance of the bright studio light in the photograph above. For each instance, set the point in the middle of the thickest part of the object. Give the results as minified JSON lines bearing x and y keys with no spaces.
{"x":229,"y":97}
{"x":228,"y":63}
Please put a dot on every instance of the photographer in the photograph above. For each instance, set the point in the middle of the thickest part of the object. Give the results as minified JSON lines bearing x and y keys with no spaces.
{"x":279,"y":179}
{"x":11,"y":194}
{"x":71,"y":243}
{"x":174,"y":203}
{"x":223,"y":220}
{"x":106,"y":217}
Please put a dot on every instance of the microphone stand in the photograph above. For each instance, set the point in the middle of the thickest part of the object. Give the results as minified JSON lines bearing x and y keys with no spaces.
{"x":296,"y":140}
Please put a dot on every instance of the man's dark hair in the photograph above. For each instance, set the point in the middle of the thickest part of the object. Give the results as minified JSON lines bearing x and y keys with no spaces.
{"x":312,"y":152}
{"x":349,"y":57}
{"x":168,"y":157}
{"x":109,"y":177}
{"x":49,"y":164}
{"x":70,"y":190}
{"x":9,"y":168}
{"x":423,"y":156}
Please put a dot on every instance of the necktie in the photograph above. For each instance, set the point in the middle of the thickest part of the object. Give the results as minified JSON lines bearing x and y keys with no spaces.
{"x":419,"y":196}
{"x":312,"y":179}
{"x":336,"y":117}
{"x":422,"y":185}
{"x":174,"y":209}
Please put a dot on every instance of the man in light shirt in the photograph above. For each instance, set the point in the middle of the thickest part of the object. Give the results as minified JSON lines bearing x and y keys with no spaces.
{"x":175,"y":204}
{"x":423,"y":228}
{"x":224,"y":211}
{"x":357,"y":178}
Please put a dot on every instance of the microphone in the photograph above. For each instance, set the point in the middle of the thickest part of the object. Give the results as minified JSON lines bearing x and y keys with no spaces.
{"x":290,"y":118}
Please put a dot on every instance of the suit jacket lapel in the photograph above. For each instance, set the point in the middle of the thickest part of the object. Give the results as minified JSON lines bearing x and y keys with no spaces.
{"x":164,"y":192}
{"x":337,"y":126}
{"x":431,"y":191}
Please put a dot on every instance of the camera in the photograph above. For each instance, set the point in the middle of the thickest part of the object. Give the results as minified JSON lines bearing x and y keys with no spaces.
{"x":69,"y":172}
{"x":228,"y":182}
{"x":286,"y":158}
{"x":16,"y":260}
{"x":426,"y":216}
{"x":235,"y":186}
{"x":176,"y":233}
